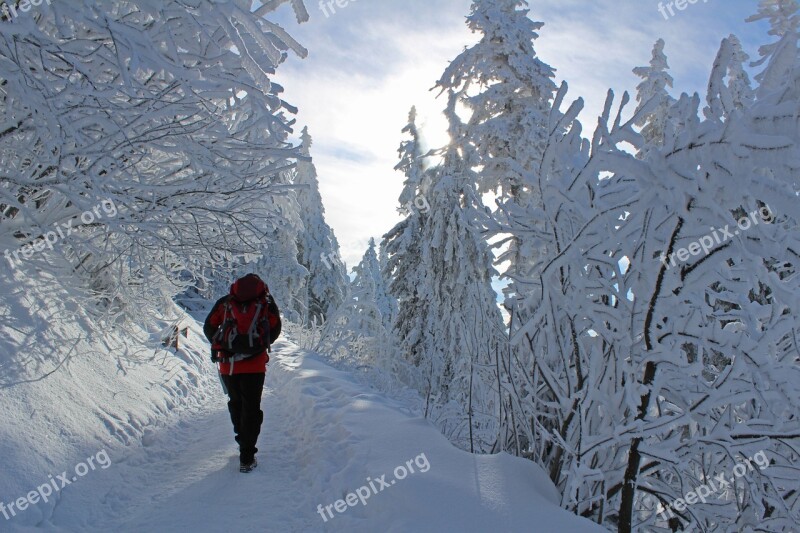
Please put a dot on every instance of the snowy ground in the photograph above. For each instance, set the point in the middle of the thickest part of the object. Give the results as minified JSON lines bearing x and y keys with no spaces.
{"x":324,"y":435}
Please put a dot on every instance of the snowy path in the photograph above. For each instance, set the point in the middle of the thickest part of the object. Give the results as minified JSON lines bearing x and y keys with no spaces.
{"x":323,"y":436}
{"x":191,"y":478}
{"x":185,"y":478}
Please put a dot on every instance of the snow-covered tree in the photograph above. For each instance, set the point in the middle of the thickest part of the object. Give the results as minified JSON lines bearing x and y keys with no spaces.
{"x":411,"y":164}
{"x":653,"y":96}
{"x":369,"y":286}
{"x":388,"y":317}
{"x":637,"y":369}
{"x":317,"y":245}
{"x":779,"y":56}
{"x":741,"y":88}
{"x":454,"y":330}
{"x":782,"y":16}
{"x":524,"y":400}
{"x":376,"y":289}
{"x":278,"y":265}
{"x":729,"y":87}
{"x":660,"y":352}
{"x":508,"y":92}
{"x":359,"y":331}
{"x":144,"y":161}
{"x":401,"y":247}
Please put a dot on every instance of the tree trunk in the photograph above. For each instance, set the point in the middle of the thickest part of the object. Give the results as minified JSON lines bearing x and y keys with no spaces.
{"x":631,"y":476}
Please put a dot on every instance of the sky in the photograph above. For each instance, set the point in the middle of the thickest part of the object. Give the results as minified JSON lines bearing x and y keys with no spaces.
{"x":371,"y":60}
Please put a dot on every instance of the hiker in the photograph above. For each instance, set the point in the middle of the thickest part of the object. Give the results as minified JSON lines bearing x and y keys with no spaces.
{"x":241,"y":327}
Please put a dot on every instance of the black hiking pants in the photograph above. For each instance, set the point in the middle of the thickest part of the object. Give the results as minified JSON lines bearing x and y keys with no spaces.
{"x":244,"y":405}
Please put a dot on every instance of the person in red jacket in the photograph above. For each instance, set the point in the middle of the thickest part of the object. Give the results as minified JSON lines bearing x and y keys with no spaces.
{"x":241,"y":326}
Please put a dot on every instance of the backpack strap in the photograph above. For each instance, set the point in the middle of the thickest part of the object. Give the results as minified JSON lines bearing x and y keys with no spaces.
{"x":228,"y":310}
{"x":251,"y":333}
{"x":228,"y":317}
{"x":268,"y":302}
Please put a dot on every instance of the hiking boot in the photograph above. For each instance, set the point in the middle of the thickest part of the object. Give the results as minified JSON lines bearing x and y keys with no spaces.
{"x":246,"y":468}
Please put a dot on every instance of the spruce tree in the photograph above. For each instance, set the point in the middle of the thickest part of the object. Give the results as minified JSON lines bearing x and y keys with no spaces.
{"x":509,"y":93}
{"x":317,"y":245}
{"x":653,"y":96}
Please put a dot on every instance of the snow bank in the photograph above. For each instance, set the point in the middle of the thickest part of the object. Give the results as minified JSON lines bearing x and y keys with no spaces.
{"x":68,"y":393}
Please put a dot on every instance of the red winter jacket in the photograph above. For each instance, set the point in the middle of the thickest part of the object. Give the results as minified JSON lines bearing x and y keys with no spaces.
{"x":245,"y":289}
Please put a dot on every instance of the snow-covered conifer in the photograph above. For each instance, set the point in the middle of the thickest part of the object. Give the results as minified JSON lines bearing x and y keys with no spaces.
{"x":783,"y":18}
{"x":401,"y":247}
{"x":357,"y":332}
{"x":455,"y":329}
{"x":317,"y":245}
{"x":508,"y":93}
{"x":652,"y":93}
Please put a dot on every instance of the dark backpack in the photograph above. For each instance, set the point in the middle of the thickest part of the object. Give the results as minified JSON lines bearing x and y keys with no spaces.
{"x":245,"y":329}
